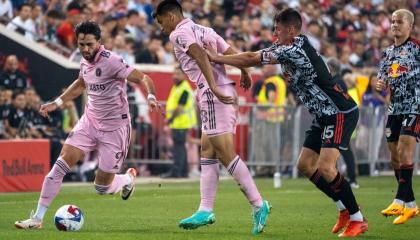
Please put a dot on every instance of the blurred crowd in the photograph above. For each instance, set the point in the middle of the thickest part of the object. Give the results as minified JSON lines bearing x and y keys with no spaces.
{"x":355,"y":31}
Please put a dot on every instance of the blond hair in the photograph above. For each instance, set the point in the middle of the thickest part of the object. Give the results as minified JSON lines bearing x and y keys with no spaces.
{"x":407,"y":14}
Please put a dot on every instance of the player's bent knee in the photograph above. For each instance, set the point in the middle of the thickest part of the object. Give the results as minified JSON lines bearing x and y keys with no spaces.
{"x":327,"y":171}
{"x":101,"y":189}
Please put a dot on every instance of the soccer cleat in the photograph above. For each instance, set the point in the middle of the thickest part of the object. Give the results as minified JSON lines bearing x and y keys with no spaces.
{"x":342,"y":221}
{"x":31,"y":223}
{"x":128,"y":190}
{"x":394,"y":209}
{"x":406,"y":214}
{"x":198,"y":219}
{"x":260,"y":216}
{"x":354,"y":185}
{"x":355,"y":228}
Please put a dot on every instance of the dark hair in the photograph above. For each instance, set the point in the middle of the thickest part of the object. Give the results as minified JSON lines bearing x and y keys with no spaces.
{"x":88,"y":27}
{"x":132,"y":12}
{"x":289,"y":16}
{"x":25,"y":5}
{"x":17,"y":93}
{"x":167,"y":6}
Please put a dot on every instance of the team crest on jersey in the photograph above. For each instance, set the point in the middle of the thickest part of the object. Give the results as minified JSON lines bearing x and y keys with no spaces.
{"x":98,"y":72}
{"x":395,"y":70}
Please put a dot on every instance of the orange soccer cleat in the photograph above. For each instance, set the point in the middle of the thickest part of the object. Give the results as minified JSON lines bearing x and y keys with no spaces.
{"x":342,"y":221}
{"x":406,"y":214}
{"x":394,"y":209}
{"x":355,"y":228}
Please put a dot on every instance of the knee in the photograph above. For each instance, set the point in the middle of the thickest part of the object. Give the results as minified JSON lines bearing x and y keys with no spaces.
{"x":305,"y":167}
{"x":327,"y":171}
{"x":101,"y":189}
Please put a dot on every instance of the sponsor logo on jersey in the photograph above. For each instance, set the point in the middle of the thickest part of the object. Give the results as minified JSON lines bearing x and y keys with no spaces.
{"x":395,"y":70}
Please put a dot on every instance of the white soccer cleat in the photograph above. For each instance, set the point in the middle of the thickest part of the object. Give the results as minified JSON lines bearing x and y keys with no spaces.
{"x":128,"y":190}
{"x":31,"y":223}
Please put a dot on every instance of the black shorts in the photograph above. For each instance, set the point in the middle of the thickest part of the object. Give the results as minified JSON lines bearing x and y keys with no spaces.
{"x":331,"y":131}
{"x":403,"y":124}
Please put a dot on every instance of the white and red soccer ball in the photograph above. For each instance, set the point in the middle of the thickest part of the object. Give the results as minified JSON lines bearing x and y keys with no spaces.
{"x":69,"y":218}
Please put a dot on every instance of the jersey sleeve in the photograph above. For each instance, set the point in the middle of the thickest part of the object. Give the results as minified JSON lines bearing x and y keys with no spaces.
{"x":120,"y":67}
{"x":222,"y":45}
{"x":382,"y":69}
{"x":275,"y":53}
{"x":182,"y":38}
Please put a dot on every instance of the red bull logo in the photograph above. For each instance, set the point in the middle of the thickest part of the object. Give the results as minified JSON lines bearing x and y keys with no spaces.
{"x":396,"y":70}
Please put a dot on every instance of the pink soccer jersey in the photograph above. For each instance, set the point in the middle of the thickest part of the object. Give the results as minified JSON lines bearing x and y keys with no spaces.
{"x":105,"y":80}
{"x":187,"y":33}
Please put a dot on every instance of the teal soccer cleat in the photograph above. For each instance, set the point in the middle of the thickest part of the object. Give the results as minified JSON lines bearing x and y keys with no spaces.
{"x":198,"y":219}
{"x":260,"y":216}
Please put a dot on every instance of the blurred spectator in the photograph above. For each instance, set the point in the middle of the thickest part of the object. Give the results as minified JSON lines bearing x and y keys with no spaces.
{"x":167,"y":53}
{"x":142,"y":6}
{"x":150,"y":53}
{"x":53,"y":21}
{"x":11,"y":77}
{"x":4,"y":111}
{"x":268,"y":118}
{"x":180,"y":116}
{"x":123,"y":49}
{"x":121,"y":26}
{"x":6,"y":9}
{"x":22,"y":23}
{"x":37,"y":21}
{"x":16,"y":123}
{"x":65,"y":32}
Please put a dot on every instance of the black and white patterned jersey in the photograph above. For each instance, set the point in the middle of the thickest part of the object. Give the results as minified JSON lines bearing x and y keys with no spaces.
{"x":400,"y":68}
{"x":309,"y":78}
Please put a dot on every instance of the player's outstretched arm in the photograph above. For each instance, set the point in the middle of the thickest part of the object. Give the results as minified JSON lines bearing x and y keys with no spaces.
{"x":72,"y":92}
{"x":200,"y":56}
{"x":146,"y":82}
{"x":240,"y":60}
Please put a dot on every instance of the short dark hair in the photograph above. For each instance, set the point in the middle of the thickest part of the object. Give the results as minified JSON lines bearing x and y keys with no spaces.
{"x":289,"y":16}
{"x":88,"y":27}
{"x":25,"y":5}
{"x":17,"y":93}
{"x":167,"y":6}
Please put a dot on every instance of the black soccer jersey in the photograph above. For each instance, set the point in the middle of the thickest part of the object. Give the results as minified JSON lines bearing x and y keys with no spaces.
{"x":309,"y":78}
{"x":400,"y":68}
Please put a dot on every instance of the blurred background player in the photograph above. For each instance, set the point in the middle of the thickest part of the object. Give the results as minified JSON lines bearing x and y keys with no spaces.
{"x":104,"y":127}
{"x":219,"y":110}
{"x":399,"y":70}
{"x":336,"y":114}
{"x":181,"y":116}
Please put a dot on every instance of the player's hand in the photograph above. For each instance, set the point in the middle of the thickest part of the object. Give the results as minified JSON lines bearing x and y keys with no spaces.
{"x":154,"y":105}
{"x":46,"y":108}
{"x":224,"y":99}
{"x":380,"y":85}
{"x":211,"y":52}
{"x":246,"y":80}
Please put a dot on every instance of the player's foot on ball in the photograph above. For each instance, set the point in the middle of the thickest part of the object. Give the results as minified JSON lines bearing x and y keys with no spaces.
{"x":31,"y":223}
{"x":355,"y":228}
{"x":394,"y":209}
{"x":128,"y":190}
{"x":342,"y":221}
{"x":198,"y":219}
{"x":260,"y":216}
{"x":406,"y":214}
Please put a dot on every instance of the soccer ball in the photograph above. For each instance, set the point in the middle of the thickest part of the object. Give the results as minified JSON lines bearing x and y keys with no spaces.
{"x":69,"y":218}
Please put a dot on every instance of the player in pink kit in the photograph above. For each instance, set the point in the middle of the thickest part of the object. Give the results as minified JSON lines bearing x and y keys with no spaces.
{"x":219,"y":109}
{"x":105,"y":126}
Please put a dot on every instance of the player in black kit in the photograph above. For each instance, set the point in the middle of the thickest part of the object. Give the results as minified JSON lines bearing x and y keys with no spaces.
{"x":400,"y":71}
{"x":336,"y":114}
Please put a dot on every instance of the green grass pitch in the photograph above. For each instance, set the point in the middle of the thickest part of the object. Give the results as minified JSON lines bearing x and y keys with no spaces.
{"x":299,"y":212}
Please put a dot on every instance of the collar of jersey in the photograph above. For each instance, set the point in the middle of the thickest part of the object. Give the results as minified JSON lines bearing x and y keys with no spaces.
{"x":185,"y":20}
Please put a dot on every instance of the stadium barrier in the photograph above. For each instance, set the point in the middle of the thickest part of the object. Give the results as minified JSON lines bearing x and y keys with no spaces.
{"x":24,"y":164}
{"x":269,"y":139}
